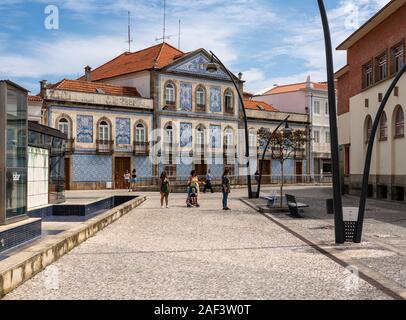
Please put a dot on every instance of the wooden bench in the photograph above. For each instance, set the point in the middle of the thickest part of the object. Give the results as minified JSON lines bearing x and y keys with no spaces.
{"x":295,"y":207}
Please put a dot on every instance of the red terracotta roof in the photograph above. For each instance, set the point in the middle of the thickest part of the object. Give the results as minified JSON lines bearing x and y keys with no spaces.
{"x":295,"y":87}
{"x":157,"y":56}
{"x":95,"y":87}
{"x":34,"y":98}
{"x":259,"y":105}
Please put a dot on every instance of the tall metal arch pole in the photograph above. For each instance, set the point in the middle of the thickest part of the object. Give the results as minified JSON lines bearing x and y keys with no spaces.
{"x":368,"y":158}
{"x":247,"y":151}
{"x":338,"y":206}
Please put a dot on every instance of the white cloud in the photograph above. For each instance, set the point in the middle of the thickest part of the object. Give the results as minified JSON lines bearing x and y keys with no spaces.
{"x":303,"y":40}
{"x":66,"y":56}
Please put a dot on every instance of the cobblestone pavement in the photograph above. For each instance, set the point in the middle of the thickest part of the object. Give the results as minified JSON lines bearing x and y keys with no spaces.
{"x":198,"y":253}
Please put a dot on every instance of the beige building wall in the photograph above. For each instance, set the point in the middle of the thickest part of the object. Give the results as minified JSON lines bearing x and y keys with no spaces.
{"x":195,"y":83}
{"x":388,"y":156}
{"x":388,"y":168}
{"x":57,"y":112}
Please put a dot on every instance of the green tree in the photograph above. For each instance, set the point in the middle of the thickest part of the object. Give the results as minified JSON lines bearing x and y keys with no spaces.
{"x":283,"y":145}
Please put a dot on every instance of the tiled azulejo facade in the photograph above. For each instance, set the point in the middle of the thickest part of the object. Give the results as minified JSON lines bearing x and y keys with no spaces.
{"x":190,"y":119}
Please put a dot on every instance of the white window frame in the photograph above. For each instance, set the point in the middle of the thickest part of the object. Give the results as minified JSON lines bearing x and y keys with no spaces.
{"x":316,"y":107}
{"x":63,"y":126}
{"x":140,"y":131}
{"x":200,"y":97}
{"x":104,"y":131}
{"x":327,"y":137}
{"x":229,"y":137}
{"x":316,"y":136}
{"x":170,"y":93}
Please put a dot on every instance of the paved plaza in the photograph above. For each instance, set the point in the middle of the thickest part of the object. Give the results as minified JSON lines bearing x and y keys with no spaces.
{"x":206,"y":253}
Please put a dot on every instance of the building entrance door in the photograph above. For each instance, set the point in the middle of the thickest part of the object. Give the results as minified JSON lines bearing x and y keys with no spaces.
{"x":266,"y":171}
{"x":67,"y":173}
{"x":299,"y":172}
{"x":201,"y":168}
{"x":121,"y":165}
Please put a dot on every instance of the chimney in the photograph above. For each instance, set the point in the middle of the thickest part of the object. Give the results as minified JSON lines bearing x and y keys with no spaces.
{"x":309,"y":84}
{"x":43,"y":87}
{"x":240,"y":75}
{"x":88,"y":73}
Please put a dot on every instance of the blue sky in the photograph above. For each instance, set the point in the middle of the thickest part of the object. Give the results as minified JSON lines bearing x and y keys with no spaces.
{"x":270,"y":41}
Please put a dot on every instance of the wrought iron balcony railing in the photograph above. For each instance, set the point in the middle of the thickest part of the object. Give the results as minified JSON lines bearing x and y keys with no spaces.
{"x":69,"y":146}
{"x":141,"y":148}
{"x":104,"y":146}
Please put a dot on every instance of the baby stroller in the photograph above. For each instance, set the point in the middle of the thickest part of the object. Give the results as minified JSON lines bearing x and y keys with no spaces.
{"x":191,"y":200}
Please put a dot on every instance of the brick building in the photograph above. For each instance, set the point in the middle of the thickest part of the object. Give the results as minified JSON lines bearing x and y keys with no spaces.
{"x":375,"y":53}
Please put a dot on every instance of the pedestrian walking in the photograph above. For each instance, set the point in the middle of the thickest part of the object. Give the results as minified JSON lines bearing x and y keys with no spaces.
{"x":164,"y":189}
{"x":225,"y":187}
{"x":133,"y":179}
{"x":208,"y":185}
{"x":127,"y":180}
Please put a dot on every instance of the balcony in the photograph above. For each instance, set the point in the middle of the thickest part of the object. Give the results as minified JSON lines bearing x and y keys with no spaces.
{"x":141,"y":148}
{"x":199,"y":150}
{"x":104,"y":146}
{"x":69,"y":146}
{"x":200,"y":108}
{"x":229,"y":111}
{"x":170,"y":106}
{"x":229,"y":152}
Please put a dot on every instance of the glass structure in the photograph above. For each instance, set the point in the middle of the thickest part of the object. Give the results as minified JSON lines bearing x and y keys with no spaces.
{"x":53,"y":140}
{"x":13,"y":150}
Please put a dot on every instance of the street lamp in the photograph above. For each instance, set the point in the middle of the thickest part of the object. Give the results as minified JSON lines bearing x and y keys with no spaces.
{"x":286,"y":131}
{"x":212,"y":67}
{"x":335,"y":158}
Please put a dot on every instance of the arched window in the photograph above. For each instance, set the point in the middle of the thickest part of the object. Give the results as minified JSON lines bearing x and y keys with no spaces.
{"x":252,"y":138}
{"x":200,"y":136}
{"x":383,"y":128}
{"x":140,"y":134}
{"x":63,"y":126}
{"x":200,"y":98}
{"x":229,"y":101}
{"x":228,"y":138}
{"x":170,"y":95}
{"x":168,"y":134}
{"x":104,"y":131}
{"x":399,"y":123}
{"x":368,"y":128}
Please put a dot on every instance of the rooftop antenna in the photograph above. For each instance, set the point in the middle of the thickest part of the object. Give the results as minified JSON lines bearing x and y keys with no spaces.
{"x":164,"y":36}
{"x":164,"y":28}
{"x":129,"y":31}
{"x":179,"y":35}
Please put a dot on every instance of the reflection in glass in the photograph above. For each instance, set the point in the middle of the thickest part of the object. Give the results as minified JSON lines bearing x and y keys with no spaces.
{"x":16,"y":172}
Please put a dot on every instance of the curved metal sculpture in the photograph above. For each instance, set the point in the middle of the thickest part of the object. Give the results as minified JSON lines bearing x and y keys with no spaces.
{"x":247,"y":151}
{"x":368,"y":158}
{"x":338,"y":207}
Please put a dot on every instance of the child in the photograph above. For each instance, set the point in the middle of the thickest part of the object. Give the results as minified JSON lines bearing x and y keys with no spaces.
{"x":192,"y":198}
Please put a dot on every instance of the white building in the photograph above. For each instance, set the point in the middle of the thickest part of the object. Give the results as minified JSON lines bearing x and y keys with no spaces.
{"x":310,"y":98}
